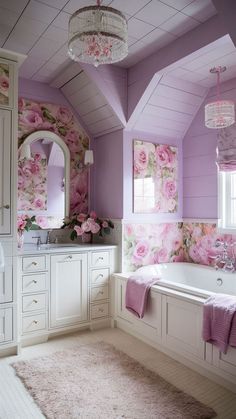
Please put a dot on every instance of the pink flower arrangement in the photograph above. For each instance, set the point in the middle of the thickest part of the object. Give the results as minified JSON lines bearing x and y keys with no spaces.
{"x":81,"y":224}
{"x":26,"y":223}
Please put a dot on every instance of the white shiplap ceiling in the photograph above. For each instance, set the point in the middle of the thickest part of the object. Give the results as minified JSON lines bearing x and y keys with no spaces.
{"x":38,"y":28}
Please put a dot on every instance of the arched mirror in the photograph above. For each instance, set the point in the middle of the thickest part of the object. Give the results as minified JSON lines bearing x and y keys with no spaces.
{"x":43,"y":178}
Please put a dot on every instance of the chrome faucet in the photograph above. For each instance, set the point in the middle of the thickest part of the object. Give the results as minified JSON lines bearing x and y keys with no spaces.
{"x":225,"y":258}
{"x":38,"y":241}
{"x":48,"y":237}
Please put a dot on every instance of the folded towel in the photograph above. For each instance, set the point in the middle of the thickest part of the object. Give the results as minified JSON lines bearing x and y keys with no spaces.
{"x":218,"y":315}
{"x":136,"y":297}
{"x":232,"y":338}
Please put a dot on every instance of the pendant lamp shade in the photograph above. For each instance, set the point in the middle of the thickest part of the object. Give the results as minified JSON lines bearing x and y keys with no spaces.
{"x":98,"y":35}
{"x":220,"y":113}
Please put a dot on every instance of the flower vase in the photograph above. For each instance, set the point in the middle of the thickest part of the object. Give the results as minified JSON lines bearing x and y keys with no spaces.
{"x":87,"y":238}
{"x":20,"y":239}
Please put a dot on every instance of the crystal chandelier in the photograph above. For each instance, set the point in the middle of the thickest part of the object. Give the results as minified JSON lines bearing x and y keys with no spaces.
{"x":220,"y":113}
{"x":98,"y":35}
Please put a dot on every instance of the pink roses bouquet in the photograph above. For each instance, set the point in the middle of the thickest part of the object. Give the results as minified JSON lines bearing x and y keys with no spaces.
{"x":87,"y":224}
{"x":26,"y":223}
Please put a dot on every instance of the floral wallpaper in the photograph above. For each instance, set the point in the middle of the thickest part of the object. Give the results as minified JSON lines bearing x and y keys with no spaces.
{"x":199,"y":243}
{"x":145,"y":244}
{"x":32,"y":183}
{"x":34,"y":116}
{"x":4,"y":84}
{"x":155,"y":174}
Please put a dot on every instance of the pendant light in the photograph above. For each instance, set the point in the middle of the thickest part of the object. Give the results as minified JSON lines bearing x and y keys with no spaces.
{"x":220,"y":113}
{"x":98,"y":35}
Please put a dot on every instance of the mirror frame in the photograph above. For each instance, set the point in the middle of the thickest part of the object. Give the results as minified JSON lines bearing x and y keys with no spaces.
{"x":37,"y":135}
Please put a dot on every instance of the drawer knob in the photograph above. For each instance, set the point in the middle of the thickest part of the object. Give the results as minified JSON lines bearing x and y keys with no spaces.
{"x":7,"y":206}
{"x":100,"y":258}
{"x":35,"y":321}
{"x":69,"y":257}
{"x":35,"y":263}
{"x":34,"y":281}
{"x":101,"y":310}
{"x":100,"y":292}
{"x":35,"y":301}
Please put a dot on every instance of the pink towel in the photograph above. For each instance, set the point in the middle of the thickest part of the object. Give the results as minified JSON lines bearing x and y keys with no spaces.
{"x":218,"y":315}
{"x":136,"y":297}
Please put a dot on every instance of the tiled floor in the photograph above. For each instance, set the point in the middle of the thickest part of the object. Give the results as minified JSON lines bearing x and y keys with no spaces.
{"x":15,"y":402}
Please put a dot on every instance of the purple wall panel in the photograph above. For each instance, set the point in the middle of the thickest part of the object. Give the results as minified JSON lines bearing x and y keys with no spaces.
{"x":108,"y":175}
{"x":199,"y":168}
{"x":128,"y":177}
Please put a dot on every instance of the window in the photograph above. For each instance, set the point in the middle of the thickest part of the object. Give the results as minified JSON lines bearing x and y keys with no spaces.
{"x":227,"y":200}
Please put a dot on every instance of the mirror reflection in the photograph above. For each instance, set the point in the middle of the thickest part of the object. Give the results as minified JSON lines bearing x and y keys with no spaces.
{"x":42,"y":182}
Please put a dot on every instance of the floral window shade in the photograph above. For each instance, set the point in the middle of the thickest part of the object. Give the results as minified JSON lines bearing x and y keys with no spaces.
{"x":4,"y":84}
{"x":32,"y":183}
{"x":155,"y":178}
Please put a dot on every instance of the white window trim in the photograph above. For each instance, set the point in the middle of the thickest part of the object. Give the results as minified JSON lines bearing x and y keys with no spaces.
{"x":224,"y":207}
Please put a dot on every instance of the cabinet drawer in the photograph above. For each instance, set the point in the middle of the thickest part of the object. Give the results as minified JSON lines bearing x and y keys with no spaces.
{"x":99,"y":293}
{"x":100,"y":259}
{"x":99,"y":310}
{"x":34,"y":263}
{"x":33,"y":323}
{"x":6,"y":330}
{"x":34,"y":283}
{"x":99,"y":276}
{"x":33,"y":302}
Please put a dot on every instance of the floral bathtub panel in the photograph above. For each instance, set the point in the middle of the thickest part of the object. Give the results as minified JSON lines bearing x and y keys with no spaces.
{"x":4,"y":84}
{"x":155,"y":178}
{"x":34,"y":116}
{"x":145,"y":244}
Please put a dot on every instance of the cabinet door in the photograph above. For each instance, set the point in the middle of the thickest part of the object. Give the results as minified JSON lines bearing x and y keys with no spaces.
{"x":5,"y":171}
{"x":150,"y":325}
{"x":225,"y":362}
{"x":182,"y":325}
{"x":68,"y":290}
{"x":6,"y":280}
{"x":5,"y":325}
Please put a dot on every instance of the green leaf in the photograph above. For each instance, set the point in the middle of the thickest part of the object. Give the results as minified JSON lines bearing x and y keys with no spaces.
{"x":73,"y":235}
{"x":106,"y":230}
{"x":48,"y":116}
{"x":62,"y":131}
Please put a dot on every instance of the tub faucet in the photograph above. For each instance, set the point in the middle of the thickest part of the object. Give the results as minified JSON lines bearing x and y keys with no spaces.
{"x":225,"y":258}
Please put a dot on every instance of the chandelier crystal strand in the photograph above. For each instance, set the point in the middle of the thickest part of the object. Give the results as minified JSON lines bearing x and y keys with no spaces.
{"x":220,"y":113}
{"x":98,"y":35}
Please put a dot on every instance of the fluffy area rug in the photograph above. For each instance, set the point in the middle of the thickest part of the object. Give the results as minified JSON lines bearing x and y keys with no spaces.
{"x":97,"y":381}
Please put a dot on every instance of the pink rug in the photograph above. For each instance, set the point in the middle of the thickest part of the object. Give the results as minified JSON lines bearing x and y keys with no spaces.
{"x":97,"y":381}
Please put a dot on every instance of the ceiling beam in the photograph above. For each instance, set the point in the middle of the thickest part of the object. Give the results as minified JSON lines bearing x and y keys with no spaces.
{"x":140,"y":75}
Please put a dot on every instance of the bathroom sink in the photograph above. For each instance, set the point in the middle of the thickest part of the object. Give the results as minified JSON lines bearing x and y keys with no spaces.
{"x":58,"y":245}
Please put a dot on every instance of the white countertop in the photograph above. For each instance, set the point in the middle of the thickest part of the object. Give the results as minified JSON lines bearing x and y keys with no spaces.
{"x":31,"y":248}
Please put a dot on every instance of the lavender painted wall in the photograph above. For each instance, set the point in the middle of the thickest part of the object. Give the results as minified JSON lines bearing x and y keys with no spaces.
{"x":108,"y":175}
{"x":199,"y":168}
{"x":128,"y":177}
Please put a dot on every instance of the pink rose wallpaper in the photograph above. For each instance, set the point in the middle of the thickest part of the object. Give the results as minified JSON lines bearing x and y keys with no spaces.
{"x":155,"y":178}
{"x":34,"y":116}
{"x":32,"y":183}
{"x":146,"y":244}
{"x":199,"y":242}
{"x":4,"y":84}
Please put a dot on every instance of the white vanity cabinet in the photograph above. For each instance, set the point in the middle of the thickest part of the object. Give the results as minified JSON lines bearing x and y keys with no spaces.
{"x":68,"y":289}
{"x":62,"y":291}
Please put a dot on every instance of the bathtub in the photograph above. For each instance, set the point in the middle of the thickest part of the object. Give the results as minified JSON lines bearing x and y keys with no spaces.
{"x":193,"y":279}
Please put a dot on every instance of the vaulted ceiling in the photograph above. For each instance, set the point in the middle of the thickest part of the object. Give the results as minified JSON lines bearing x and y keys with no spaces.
{"x":162,"y":83}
